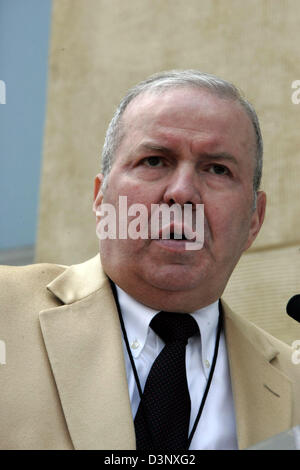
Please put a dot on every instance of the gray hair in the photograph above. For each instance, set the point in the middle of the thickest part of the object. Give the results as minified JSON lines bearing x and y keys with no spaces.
{"x":173,"y":79}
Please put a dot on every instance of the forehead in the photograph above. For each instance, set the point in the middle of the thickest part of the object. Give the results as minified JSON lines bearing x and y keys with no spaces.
{"x":189,"y":111}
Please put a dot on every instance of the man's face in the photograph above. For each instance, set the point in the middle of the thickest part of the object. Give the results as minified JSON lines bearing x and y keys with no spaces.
{"x":183,"y":146}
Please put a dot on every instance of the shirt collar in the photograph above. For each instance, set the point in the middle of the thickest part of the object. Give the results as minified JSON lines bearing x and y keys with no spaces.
{"x":207,"y":320}
{"x":137,"y":318}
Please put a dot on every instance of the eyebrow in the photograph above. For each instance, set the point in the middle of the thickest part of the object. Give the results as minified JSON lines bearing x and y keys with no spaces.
{"x":157,"y":147}
{"x":220,"y":156}
{"x":208,"y":156}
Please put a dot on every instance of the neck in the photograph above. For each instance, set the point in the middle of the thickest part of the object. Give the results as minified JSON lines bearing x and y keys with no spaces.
{"x":170,"y":301}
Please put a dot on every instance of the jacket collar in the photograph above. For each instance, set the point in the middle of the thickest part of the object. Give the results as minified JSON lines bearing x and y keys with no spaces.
{"x":84,"y":345}
{"x":78,"y":281}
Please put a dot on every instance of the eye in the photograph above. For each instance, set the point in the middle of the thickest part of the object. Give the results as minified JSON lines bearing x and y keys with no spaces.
{"x":153,"y":162}
{"x":219,"y":170}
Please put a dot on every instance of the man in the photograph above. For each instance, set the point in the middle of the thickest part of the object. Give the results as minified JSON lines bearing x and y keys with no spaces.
{"x":74,"y":378}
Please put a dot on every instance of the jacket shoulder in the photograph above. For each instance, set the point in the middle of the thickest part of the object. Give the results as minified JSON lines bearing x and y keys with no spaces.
{"x":27,"y":285}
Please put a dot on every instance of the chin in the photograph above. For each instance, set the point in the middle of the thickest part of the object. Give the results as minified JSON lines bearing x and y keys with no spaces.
{"x":173,"y":281}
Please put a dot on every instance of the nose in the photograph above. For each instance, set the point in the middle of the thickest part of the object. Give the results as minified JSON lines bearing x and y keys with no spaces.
{"x":182,"y":188}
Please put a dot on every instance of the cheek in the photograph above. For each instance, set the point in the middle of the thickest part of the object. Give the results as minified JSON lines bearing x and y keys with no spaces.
{"x":122,"y":252}
{"x":136,"y":193}
{"x":217,"y":213}
{"x":227,"y":219}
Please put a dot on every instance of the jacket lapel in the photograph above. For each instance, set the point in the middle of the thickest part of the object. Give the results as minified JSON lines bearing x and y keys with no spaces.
{"x":84,"y":346}
{"x":262,"y":393}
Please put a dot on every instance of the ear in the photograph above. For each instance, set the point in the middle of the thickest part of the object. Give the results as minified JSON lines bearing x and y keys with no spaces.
{"x":98,"y":194}
{"x":257,"y":218}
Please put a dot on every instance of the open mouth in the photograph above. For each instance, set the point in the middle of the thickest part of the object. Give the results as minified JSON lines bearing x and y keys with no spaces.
{"x":177,"y":237}
{"x":177,"y":241}
{"x":177,"y":233}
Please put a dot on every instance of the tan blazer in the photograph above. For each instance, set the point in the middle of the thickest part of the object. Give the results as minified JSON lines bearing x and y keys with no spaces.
{"x":64,"y":382}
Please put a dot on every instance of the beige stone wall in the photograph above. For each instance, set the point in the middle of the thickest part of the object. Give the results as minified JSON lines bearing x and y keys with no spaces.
{"x":99,"y":48}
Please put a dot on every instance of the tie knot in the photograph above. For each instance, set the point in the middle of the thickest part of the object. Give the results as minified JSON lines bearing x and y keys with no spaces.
{"x":172,"y":326}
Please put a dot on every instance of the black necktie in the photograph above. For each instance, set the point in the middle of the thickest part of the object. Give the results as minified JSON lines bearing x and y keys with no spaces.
{"x":162,"y":419}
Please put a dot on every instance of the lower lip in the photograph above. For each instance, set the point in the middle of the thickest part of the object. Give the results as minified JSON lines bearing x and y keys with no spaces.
{"x":178,"y":246}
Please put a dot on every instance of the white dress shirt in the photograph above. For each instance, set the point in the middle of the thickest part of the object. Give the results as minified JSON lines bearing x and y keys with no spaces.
{"x":216,"y":428}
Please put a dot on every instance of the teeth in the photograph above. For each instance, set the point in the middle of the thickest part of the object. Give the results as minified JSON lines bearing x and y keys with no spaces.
{"x":178,"y":237}
{"x":173,"y":235}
